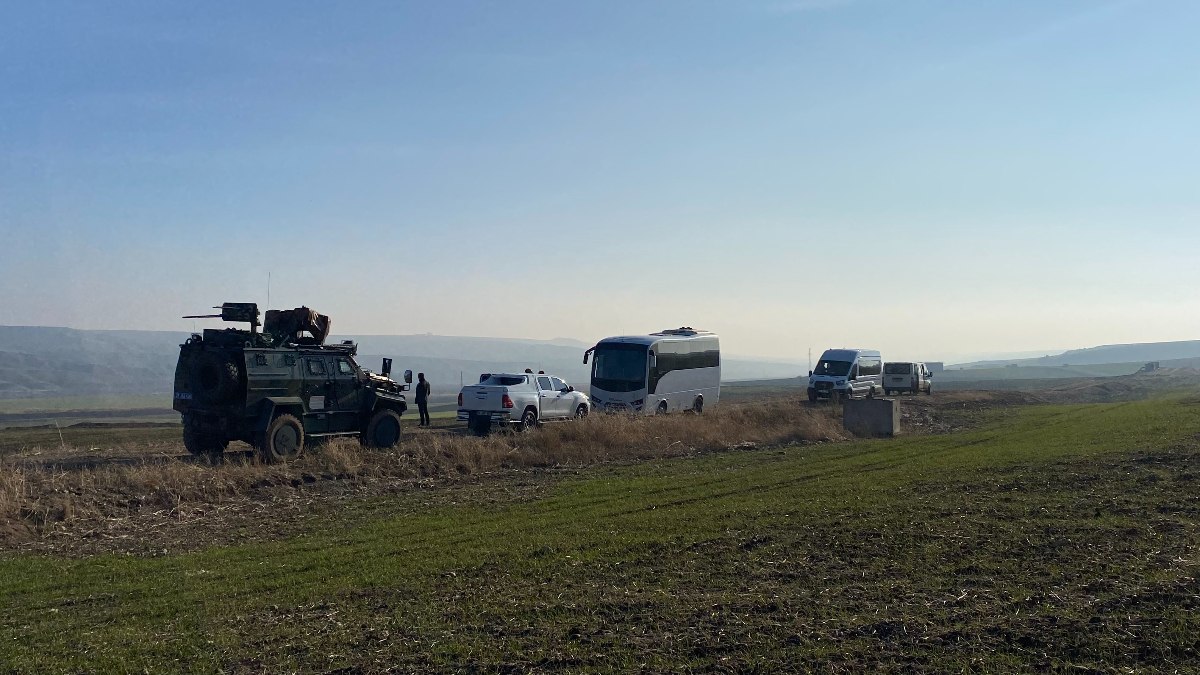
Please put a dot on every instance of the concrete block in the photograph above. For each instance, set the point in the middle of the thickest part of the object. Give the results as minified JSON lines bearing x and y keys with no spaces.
{"x":872,"y":417}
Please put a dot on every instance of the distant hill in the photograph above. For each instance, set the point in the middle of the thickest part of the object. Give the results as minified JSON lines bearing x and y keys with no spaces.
{"x":52,"y":362}
{"x":1106,"y":354}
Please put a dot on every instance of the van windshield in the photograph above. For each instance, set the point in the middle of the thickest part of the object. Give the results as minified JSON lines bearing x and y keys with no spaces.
{"x":898,"y":369}
{"x":834,"y":368}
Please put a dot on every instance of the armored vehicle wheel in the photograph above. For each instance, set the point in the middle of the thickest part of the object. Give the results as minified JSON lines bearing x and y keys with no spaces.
{"x":383,"y":431}
{"x":215,"y":378}
{"x":202,"y":445}
{"x":283,"y":441}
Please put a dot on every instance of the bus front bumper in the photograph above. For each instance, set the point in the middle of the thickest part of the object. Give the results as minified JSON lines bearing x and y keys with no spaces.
{"x":618,"y":406}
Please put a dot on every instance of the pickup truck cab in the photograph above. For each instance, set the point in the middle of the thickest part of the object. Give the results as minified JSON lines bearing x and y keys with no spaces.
{"x":519,"y":400}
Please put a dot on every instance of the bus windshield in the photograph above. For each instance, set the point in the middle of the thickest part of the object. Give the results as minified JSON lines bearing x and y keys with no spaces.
{"x":834,"y":368}
{"x":619,"y":367}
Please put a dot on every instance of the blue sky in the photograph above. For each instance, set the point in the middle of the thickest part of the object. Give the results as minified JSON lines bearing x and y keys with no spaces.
{"x":935,"y":178}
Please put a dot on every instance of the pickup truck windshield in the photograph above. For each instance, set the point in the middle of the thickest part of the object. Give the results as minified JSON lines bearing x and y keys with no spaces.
{"x":619,"y":368}
{"x":503,"y":380}
{"x":834,"y":368}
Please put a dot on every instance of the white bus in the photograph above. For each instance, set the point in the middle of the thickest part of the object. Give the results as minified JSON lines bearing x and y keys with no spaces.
{"x":668,"y":371}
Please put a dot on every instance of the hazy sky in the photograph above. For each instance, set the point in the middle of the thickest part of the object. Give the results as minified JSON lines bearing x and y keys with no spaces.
{"x":934,"y":178}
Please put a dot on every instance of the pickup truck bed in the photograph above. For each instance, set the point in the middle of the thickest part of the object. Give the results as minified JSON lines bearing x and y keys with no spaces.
{"x":521,"y":399}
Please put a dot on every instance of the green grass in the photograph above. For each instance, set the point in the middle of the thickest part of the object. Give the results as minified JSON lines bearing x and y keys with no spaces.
{"x":1036,"y":372}
{"x":101,"y":437}
{"x":1053,"y":538}
{"x":66,"y":404}
{"x":109,"y":433}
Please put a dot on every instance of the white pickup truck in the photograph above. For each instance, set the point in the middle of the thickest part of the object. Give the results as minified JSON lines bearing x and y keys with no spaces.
{"x":522,"y":400}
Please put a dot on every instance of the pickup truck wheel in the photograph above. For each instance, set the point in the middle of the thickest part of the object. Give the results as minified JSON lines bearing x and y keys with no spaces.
{"x":283,"y":441}
{"x":661,"y":409}
{"x":581,"y":411}
{"x":698,"y":405}
{"x":529,"y":419}
{"x":383,"y":431}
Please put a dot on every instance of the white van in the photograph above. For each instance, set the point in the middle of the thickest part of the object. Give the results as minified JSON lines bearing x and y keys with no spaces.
{"x":846,"y":373}
{"x":907,"y":376}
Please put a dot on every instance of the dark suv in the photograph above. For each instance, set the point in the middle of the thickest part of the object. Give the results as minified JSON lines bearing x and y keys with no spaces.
{"x":274,"y":388}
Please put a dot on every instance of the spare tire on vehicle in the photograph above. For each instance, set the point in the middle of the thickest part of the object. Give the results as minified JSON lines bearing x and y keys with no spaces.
{"x":215,"y":377}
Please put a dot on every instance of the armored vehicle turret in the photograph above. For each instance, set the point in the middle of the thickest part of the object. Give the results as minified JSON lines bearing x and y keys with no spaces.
{"x":278,"y":387}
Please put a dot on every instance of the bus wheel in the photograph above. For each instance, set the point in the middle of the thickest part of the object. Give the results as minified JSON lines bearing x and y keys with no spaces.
{"x":698,"y":406}
{"x":662,"y":408}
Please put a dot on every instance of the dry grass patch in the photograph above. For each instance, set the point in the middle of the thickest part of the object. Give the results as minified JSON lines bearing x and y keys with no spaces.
{"x":37,"y":497}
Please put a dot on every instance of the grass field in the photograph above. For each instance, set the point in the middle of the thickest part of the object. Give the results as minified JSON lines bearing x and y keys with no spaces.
{"x":66,"y":404}
{"x":1054,"y":538}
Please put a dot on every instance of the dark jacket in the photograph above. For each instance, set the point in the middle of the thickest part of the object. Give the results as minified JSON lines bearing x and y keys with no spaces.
{"x":423,"y":391}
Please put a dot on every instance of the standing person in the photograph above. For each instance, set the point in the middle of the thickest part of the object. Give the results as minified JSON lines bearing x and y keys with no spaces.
{"x":423,"y":399}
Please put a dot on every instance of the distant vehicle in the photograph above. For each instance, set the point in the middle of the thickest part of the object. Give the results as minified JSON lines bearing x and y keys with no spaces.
{"x":907,"y":376}
{"x":845,"y":374}
{"x":519,"y":400}
{"x":669,"y":371}
{"x":275,"y":388}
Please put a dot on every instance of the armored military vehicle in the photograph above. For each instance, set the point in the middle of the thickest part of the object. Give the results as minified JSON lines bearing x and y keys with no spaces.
{"x":277,"y":387}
